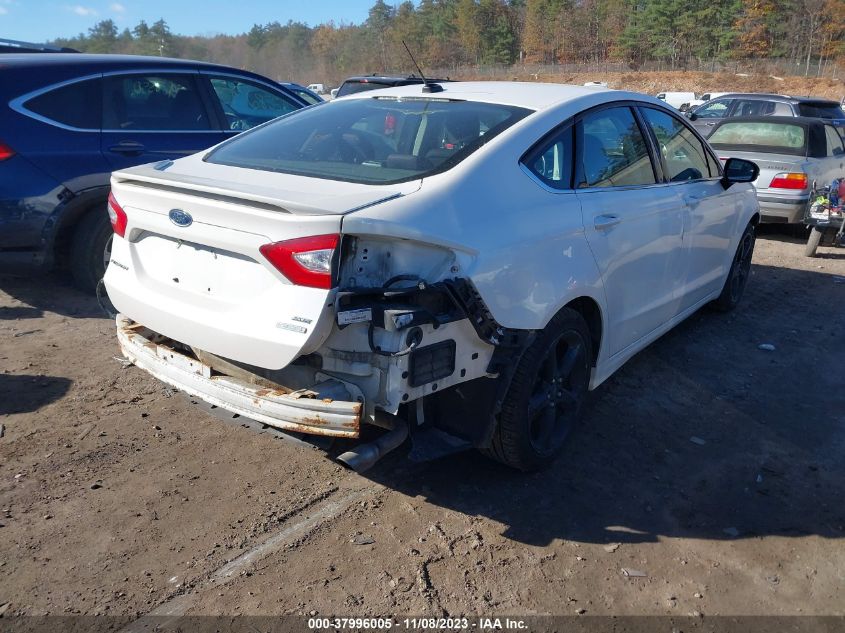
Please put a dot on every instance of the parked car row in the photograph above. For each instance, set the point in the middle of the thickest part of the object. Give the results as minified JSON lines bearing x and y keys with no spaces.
{"x":707,"y":115}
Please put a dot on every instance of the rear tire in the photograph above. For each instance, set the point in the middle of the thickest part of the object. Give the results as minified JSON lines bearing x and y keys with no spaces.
{"x":739,"y":272}
{"x":813,"y":242}
{"x":91,"y":250}
{"x":546,"y":395}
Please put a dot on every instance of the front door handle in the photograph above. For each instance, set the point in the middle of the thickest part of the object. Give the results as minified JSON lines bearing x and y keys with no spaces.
{"x":693,"y":199}
{"x":130,"y":148}
{"x":604,"y":222}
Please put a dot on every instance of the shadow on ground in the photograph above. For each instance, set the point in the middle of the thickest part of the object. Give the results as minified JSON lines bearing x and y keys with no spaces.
{"x":47,"y":293}
{"x":25,"y":393}
{"x":768,"y":429}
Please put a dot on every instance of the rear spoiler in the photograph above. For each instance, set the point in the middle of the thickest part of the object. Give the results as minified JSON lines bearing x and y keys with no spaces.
{"x":269,"y":198}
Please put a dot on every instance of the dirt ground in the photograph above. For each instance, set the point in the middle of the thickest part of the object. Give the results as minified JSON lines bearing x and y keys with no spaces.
{"x":707,"y":479}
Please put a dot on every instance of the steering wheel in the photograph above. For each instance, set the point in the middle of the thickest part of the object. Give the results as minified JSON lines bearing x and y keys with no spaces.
{"x":353,"y":148}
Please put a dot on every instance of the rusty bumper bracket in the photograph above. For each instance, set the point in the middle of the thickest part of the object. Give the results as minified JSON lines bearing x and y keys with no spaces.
{"x":331,"y":407}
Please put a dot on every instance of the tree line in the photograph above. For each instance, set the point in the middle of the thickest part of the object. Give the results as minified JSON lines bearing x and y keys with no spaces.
{"x":457,"y":34}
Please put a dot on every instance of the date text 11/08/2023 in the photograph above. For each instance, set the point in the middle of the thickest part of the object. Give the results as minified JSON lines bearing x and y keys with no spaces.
{"x":444,"y":624}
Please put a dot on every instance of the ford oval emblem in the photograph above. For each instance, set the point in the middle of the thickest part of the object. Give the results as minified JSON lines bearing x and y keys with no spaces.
{"x":180,"y":218}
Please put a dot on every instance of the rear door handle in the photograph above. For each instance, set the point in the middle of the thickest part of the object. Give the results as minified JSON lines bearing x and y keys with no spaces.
{"x":604,"y":222}
{"x":130,"y":148}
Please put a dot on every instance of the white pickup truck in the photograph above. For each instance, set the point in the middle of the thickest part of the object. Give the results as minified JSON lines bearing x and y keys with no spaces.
{"x":676,"y":99}
{"x":704,"y":98}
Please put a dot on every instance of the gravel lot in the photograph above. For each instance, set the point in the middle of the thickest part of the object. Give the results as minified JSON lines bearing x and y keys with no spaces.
{"x":707,"y":479}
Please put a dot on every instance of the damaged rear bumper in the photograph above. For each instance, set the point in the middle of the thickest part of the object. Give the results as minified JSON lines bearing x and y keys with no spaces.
{"x":327,"y":408}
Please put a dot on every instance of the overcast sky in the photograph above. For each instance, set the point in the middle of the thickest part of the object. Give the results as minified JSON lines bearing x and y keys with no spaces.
{"x":43,"y":20}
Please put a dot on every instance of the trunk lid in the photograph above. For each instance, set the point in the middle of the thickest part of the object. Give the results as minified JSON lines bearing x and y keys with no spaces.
{"x":190,"y":267}
{"x":770,"y":164}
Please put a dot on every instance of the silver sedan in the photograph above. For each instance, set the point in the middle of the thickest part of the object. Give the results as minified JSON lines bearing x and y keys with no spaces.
{"x":795,"y":155}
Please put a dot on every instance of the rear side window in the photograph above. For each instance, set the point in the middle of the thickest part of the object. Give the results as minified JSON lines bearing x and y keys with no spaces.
{"x":834,"y":141}
{"x":683,"y":154}
{"x":305,"y":95}
{"x":612,"y":150}
{"x":758,"y":107}
{"x":551,"y":160}
{"x":821,"y":110}
{"x":351,"y":87}
{"x":76,"y":105}
{"x":153,"y":103}
{"x":370,"y":140}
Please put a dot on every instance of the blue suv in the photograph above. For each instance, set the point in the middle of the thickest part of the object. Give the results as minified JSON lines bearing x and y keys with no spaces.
{"x":68,"y":120}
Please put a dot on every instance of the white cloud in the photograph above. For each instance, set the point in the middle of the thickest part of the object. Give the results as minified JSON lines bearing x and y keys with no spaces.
{"x":83,"y":11}
{"x":116,"y":7}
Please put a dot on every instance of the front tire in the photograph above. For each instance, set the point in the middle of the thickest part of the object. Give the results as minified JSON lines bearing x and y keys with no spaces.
{"x":91,"y":250}
{"x":546,"y":395}
{"x":813,"y":242}
{"x":739,"y":272}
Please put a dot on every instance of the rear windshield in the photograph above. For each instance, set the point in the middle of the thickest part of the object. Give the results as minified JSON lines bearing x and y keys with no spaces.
{"x":821,"y":110}
{"x":371,"y":141}
{"x":781,"y":138}
{"x":351,"y":87}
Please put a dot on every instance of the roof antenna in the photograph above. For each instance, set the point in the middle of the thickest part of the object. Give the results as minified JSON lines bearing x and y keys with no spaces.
{"x":428,"y":86}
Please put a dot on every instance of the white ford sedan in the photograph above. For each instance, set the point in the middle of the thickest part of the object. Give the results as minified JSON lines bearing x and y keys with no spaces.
{"x":464,"y":261}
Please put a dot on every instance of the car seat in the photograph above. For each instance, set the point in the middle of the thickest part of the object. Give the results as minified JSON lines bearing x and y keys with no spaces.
{"x":115,"y":115}
{"x":186,"y":112}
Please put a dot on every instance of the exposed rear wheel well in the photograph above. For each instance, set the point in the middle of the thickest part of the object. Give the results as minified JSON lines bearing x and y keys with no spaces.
{"x":591,"y":313}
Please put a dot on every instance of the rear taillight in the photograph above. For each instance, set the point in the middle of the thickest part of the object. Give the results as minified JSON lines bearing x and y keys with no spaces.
{"x":789,"y":181}
{"x":305,"y":261}
{"x":5,"y":151}
{"x":117,"y":216}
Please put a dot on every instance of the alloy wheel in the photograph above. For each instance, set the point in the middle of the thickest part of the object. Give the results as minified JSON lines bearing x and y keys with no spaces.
{"x":558,"y":392}
{"x":741,"y":266}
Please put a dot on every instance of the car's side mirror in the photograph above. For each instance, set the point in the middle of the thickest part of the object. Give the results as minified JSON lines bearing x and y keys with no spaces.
{"x":739,"y":170}
{"x":690,"y":114}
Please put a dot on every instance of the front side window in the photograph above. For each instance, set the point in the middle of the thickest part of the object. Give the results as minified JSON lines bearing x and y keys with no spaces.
{"x":834,"y":141}
{"x":372,"y":140}
{"x":551,"y":161}
{"x":612,"y":150}
{"x":683,"y":154}
{"x":76,"y":105}
{"x":246,"y":104}
{"x":153,"y":103}
{"x":713,"y":110}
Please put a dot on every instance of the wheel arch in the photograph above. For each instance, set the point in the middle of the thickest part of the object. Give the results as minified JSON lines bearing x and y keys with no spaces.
{"x":66,"y":219}
{"x":590,"y":310}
